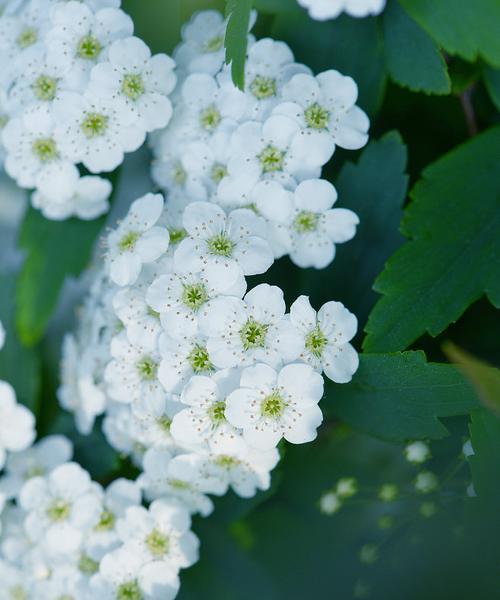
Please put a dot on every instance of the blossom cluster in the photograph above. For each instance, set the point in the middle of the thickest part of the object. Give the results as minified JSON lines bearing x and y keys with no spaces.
{"x":322,"y":10}
{"x":77,"y":92}
{"x":261,"y":148}
{"x":193,"y":376}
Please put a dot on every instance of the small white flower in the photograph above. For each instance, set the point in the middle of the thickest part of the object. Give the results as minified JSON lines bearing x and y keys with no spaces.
{"x":327,"y":335}
{"x":17,"y":423}
{"x":144,"y":82}
{"x":151,"y":421}
{"x":330,"y":9}
{"x":137,"y":240}
{"x":329,"y":503}
{"x":426,"y":482}
{"x":417,"y":452}
{"x":242,"y":332}
{"x":270,"y":405}
{"x":325,"y":108}
{"x":223,"y":247}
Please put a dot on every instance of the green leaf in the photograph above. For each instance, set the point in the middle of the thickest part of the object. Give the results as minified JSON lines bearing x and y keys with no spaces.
{"x":19,"y":366}
{"x":485,"y":463}
{"x":453,"y":255}
{"x":236,"y":39}
{"x":462,"y":27}
{"x":277,"y":6}
{"x":343,"y":44}
{"x":492,"y":82}
{"x":484,"y":377}
{"x":375,"y":189}
{"x":413,"y":59}
{"x":55,"y":250}
{"x":401,"y":396}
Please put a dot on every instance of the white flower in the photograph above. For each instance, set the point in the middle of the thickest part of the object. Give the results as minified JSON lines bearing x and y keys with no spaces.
{"x":79,"y":38}
{"x":62,"y":193}
{"x":16,"y":423}
{"x":160,"y":533}
{"x":144,"y":82}
{"x":151,"y":421}
{"x":327,"y":335}
{"x":38,"y":460}
{"x":330,"y":9}
{"x":426,"y":482}
{"x":417,"y":452}
{"x":223,"y":247}
{"x":60,"y":508}
{"x":329,"y":503}
{"x":95,"y":131}
{"x":159,"y":480}
{"x":325,"y":108}
{"x":132,"y":373}
{"x":242,"y":332}
{"x":204,"y":421}
{"x":269,"y":150}
{"x":137,"y":240}
{"x":2,"y":335}
{"x":270,"y":405}
{"x":178,"y":298}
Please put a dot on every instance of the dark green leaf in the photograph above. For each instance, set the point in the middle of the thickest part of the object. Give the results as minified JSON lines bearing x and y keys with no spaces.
{"x":484,"y":377}
{"x":492,"y":81}
{"x":276,"y":6}
{"x":352,"y":46}
{"x":412,"y":57}
{"x":462,"y":27}
{"x":236,"y":40}
{"x":485,"y":463}
{"x":375,"y":189}
{"x":55,"y":250}
{"x":19,"y":366}
{"x":401,"y":396}
{"x":453,"y":255}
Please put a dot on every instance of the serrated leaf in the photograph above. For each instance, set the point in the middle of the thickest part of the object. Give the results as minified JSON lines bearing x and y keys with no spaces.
{"x":375,"y":189}
{"x":413,"y":59}
{"x":453,"y":255}
{"x":492,"y":82}
{"x":401,"y":396}
{"x":484,"y":377}
{"x":469,"y":29}
{"x":236,"y":40}
{"x":19,"y":366}
{"x":55,"y":250}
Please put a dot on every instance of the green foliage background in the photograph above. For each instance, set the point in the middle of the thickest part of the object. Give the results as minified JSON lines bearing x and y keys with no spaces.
{"x":423,"y":270}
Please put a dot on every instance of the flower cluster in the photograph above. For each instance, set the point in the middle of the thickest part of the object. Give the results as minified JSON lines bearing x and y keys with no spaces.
{"x":261,"y":149}
{"x":196,"y":378}
{"x":330,"y":9}
{"x":77,"y":89}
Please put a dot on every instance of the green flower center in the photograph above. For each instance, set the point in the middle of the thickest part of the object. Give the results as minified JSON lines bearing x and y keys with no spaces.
{"x":34,"y":471}
{"x":194,"y":296}
{"x":147,"y":368}
{"x":217,"y":412}
{"x":89,"y":47}
{"x":133,"y":86}
{"x":221,"y":245}
{"x":177,"y":235}
{"x":65,"y":597}
{"x":253,"y":334}
{"x":214,"y":44}
{"x":226,"y":462}
{"x":179,"y":174}
{"x":158,"y":543}
{"x":94,"y":125}
{"x":317,"y":117}
{"x":218,"y":173}
{"x":45,"y":149}
{"x":271,"y":159}
{"x":199,"y":360}
{"x":164,"y":423}
{"x":306,"y":222}
{"x":129,"y":591}
{"x":106,"y":521}
{"x":210,"y":117}
{"x":27,"y":37}
{"x":316,"y":342}
{"x":272,"y":406}
{"x":153,"y":313}
{"x":45,"y":88}
{"x":18,"y":593}
{"x":263,"y":87}
{"x":59,"y":510}
{"x":127,"y":243}
{"x":178,"y":484}
{"x":4,"y":119}
{"x":87,"y":565}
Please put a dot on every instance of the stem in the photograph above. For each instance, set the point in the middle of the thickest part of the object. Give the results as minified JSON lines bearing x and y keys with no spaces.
{"x":470,"y":115}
